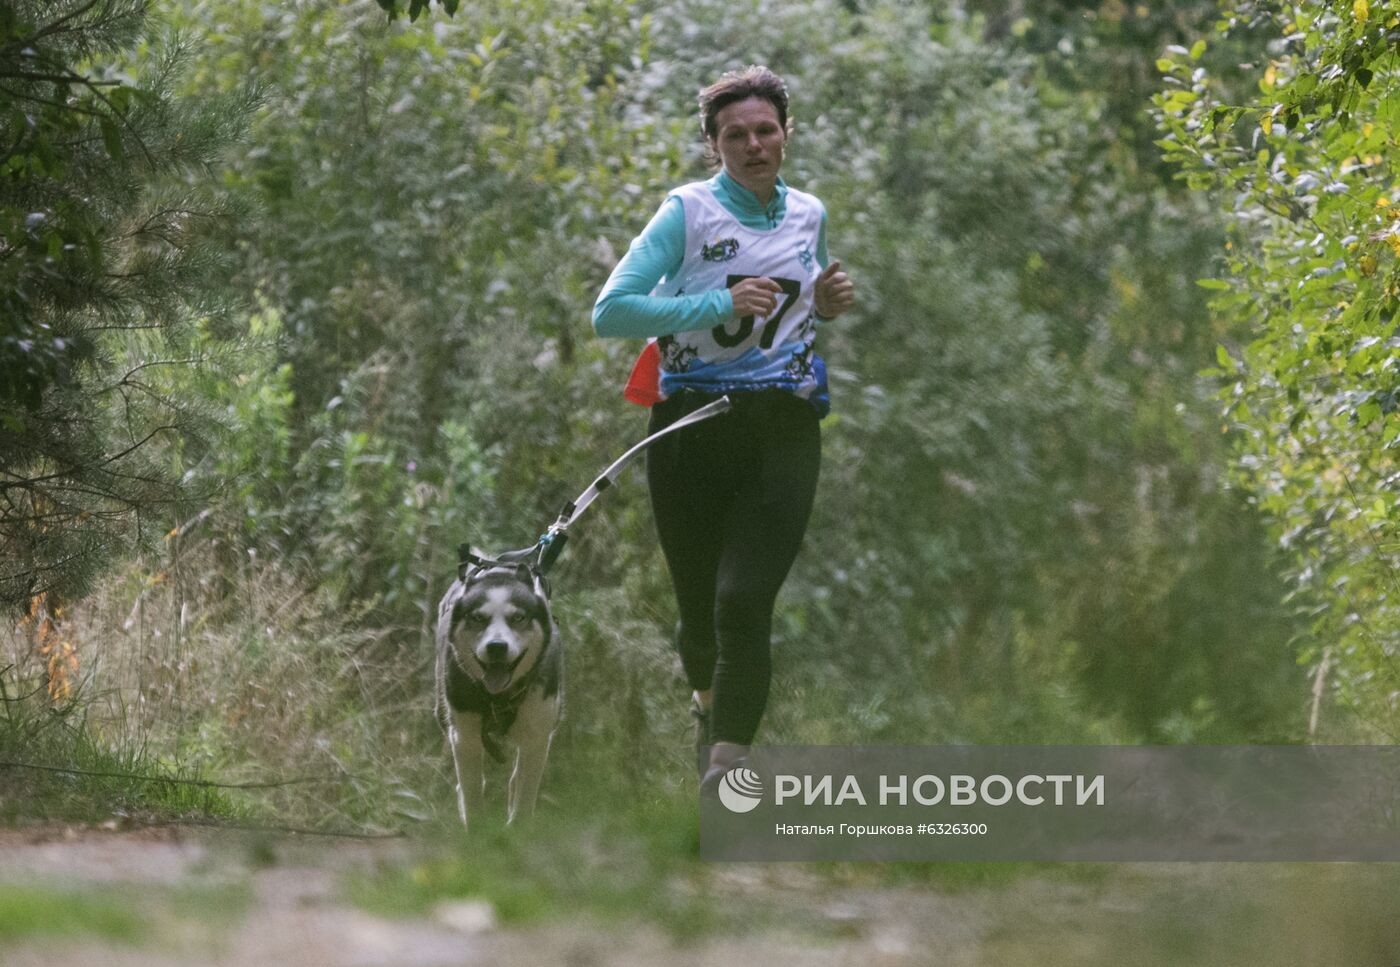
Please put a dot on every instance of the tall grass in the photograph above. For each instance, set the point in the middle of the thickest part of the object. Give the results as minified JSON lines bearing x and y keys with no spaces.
{"x":241,"y":675}
{"x":54,"y":766}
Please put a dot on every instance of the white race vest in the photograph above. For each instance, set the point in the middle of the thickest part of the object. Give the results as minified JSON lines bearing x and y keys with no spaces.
{"x":755,"y":352}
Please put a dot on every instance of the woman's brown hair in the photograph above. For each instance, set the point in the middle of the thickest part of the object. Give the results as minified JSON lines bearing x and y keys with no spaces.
{"x":753,"y":81}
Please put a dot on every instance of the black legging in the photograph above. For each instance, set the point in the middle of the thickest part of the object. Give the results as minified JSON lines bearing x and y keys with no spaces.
{"x":731,"y":497}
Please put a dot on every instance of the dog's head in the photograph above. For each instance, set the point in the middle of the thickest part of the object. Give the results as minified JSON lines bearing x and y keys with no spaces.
{"x":499,"y":625}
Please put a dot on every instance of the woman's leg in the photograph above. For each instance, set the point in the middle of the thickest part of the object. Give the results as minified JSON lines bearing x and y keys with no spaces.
{"x":762,"y":532}
{"x":689,"y":485}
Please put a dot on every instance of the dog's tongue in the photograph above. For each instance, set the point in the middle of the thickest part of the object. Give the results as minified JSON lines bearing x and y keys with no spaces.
{"x":497,"y":678}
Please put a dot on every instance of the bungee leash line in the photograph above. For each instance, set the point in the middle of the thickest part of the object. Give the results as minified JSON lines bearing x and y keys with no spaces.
{"x":546,"y":550}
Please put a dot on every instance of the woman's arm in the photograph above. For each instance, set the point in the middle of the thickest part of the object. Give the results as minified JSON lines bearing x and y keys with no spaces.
{"x":834,"y":291}
{"x":626,"y":306}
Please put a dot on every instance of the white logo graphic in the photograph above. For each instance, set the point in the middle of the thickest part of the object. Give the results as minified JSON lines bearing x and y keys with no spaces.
{"x":740,"y":790}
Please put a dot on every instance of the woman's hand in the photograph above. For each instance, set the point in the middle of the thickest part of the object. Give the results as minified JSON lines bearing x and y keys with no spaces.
{"x":754,"y":297}
{"x":835,"y":291}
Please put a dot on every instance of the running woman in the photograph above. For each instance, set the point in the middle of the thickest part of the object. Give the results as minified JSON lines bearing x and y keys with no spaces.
{"x":728,"y":283}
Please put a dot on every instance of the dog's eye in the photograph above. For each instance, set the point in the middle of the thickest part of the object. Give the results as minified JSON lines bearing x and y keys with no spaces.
{"x":474,"y":618}
{"x":518,"y":619}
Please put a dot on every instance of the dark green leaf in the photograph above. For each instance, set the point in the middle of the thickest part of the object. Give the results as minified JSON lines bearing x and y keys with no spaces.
{"x":111,"y":138}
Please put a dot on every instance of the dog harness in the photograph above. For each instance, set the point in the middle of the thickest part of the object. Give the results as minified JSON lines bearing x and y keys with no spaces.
{"x":500,"y":711}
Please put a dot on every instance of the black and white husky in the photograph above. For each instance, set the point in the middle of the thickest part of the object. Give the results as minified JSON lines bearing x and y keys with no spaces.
{"x":500,"y":668}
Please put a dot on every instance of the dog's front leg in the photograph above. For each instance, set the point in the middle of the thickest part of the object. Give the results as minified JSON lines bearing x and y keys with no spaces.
{"x":470,"y":758}
{"x":532,"y":732}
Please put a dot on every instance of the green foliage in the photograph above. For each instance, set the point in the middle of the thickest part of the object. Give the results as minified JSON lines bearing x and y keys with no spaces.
{"x":440,"y":303}
{"x":1304,"y":164}
{"x":106,"y":238}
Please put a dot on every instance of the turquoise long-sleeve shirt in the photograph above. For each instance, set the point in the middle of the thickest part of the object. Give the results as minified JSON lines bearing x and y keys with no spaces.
{"x":626,"y":306}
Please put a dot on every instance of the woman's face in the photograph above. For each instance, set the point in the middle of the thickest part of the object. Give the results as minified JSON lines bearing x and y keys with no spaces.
{"x":749,"y":140}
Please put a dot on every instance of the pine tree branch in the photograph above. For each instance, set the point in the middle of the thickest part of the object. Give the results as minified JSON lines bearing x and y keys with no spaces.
{"x":71,"y":471}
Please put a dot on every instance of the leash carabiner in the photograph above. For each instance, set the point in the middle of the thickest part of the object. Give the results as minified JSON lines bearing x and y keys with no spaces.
{"x":551,"y":545}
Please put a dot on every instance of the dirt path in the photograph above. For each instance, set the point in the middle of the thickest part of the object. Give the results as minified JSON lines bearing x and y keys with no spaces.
{"x":216,"y":898}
